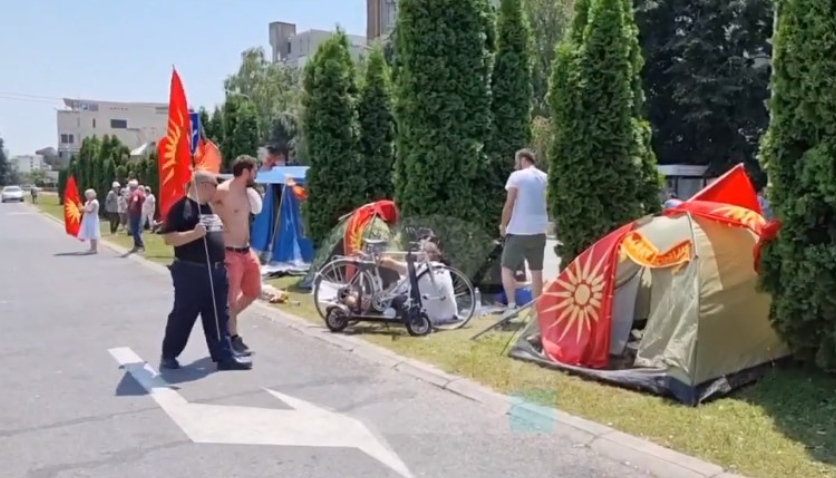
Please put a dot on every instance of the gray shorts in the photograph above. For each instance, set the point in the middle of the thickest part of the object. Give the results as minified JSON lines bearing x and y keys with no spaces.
{"x":530,"y":249}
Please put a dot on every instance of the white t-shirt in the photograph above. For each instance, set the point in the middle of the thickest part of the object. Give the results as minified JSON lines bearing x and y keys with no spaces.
{"x":529,"y":216}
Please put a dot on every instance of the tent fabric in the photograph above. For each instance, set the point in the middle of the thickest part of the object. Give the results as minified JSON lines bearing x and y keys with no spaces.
{"x":278,"y":231}
{"x":681,"y":285}
{"x":377,"y":225}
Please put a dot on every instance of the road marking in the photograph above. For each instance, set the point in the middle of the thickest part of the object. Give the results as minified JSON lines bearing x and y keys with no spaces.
{"x":306,"y":425}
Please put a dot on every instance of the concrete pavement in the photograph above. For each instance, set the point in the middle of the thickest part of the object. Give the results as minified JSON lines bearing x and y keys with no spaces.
{"x":69,"y":410}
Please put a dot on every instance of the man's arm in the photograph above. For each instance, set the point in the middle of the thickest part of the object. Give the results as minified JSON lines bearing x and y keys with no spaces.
{"x":510,"y":200}
{"x":177,"y":239}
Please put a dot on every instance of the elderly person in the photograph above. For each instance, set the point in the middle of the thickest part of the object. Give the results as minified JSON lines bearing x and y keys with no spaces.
{"x":149,"y":209}
{"x":136,"y":200}
{"x":90,"y":229}
{"x":122,"y":208}
{"x":112,"y":207}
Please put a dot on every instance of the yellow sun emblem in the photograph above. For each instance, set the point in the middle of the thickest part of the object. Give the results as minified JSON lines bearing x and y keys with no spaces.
{"x":577,"y":295}
{"x":170,"y":147}
{"x":72,"y":211}
{"x":747,"y":217}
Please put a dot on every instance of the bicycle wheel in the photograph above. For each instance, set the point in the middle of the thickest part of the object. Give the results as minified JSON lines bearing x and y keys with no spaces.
{"x":464,"y":295}
{"x":334,"y":280}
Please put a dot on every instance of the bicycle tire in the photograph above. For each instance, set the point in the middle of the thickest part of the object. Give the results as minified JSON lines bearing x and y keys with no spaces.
{"x":321,"y":309}
{"x":470,"y":289}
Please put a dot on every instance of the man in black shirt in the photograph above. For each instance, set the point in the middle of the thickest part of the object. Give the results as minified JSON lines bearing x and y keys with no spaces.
{"x":199,"y":275}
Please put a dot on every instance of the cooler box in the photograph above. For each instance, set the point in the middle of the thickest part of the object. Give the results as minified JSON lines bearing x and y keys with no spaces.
{"x":524,"y":296}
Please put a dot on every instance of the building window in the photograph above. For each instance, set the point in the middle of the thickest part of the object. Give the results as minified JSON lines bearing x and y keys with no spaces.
{"x":94,"y":123}
{"x":72,"y":138}
{"x":65,"y":139}
{"x":119,"y":124}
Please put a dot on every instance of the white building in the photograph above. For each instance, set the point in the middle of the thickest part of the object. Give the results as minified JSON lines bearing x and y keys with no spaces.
{"x":135,"y":124}
{"x":27,"y":163}
{"x":297,"y":48}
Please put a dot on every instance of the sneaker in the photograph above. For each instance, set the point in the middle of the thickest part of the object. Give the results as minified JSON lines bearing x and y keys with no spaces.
{"x":239,"y":346}
{"x":169,"y":363}
{"x":235,"y":363}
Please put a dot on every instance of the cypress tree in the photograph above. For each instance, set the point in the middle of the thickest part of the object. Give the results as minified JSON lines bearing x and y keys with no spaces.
{"x":800,"y":267}
{"x":245,"y":133}
{"x":377,"y":128}
{"x":511,"y":87}
{"x":442,"y":107}
{"x":593,"y":173}
{"x":229,"y":119}
{"x":335,"y":179}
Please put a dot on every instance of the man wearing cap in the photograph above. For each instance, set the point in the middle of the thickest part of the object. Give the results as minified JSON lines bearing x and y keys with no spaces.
{"x":136,"y":199}
{"x":199,"y":276}
{"x":112,"y":207}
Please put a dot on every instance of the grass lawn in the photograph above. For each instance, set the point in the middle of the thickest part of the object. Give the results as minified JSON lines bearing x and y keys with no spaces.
{"x":782,"y":427}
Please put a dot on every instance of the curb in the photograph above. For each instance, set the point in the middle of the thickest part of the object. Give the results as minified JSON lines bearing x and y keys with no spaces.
{"x":615,"y":445}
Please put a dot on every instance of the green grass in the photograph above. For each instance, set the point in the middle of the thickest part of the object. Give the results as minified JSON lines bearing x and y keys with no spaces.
{"x":781,"y":427}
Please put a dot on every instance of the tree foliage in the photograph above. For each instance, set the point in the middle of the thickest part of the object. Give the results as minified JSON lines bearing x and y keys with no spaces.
{"x":7,"y":173}
{"x":594,"y":172}
{"x":511,"y":102}
{"x":707,"y":79}
{"x":549,"y":21}
{"x":798,"y":150}
{"x":335,"y":179}
{"x":444,"y":59}
{"x":240,"y":129}
{"x":377,"y":128}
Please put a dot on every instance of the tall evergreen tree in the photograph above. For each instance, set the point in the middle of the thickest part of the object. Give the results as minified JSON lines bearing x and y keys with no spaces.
{"x":798,"y":151}
{"x":6,"y":172}
{"x":214,"y":129}
{"x":205,"y":120}
{"x":230,"y":121}
{"x":377,"y":128}
{"x":444,"y":59}
{"x":331,"y":130}
{"x":594,"y":176}
{"x":511,"y":86}
{"x":244,"y":139}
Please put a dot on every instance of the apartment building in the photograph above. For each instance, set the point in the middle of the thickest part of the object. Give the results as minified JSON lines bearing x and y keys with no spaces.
{"x":381,"y":16}
{"x":135,"y":124}
{"x":25,"y":164}
{"x":296,"y":49}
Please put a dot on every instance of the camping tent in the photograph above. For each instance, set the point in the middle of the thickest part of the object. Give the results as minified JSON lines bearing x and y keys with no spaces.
{"x":372,"y":221}
{"x":278,"y":232}
{"x":667,"y":304}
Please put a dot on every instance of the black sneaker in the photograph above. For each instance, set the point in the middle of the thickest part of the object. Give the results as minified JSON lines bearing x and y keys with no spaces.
{"x":169,"y":363}
{"x":235,"y":363}
{"x":239,"y":346}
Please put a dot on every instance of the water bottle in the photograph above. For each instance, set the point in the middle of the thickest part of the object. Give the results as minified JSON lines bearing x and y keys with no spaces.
{"x":478,"y":300}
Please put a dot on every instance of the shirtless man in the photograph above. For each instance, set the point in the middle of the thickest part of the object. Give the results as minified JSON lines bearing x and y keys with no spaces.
{"x":234,"y":202}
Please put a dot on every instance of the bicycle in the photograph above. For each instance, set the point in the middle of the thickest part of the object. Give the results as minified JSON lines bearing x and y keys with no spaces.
{"x":363,"y":297}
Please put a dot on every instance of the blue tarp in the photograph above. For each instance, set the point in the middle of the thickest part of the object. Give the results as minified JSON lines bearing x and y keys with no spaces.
{"x":278,"y":232}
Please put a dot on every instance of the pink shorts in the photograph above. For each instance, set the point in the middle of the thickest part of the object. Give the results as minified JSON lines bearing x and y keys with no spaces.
{"x":244,"y":275}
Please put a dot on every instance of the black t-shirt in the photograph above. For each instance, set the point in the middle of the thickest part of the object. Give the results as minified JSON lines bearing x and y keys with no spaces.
{"x":183,"y":216}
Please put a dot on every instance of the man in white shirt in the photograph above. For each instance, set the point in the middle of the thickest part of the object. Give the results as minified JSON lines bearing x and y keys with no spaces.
{"x":524,"y":224}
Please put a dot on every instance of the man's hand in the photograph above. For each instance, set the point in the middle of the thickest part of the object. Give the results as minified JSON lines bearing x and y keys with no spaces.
{"x":199,"y":231}
{"x":502,"y":230}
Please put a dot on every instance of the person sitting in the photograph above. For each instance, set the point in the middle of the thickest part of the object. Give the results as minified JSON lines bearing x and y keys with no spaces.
{"x":438,"y":294}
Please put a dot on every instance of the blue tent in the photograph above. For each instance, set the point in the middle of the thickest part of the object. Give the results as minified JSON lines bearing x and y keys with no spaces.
{"x":278,"y":232}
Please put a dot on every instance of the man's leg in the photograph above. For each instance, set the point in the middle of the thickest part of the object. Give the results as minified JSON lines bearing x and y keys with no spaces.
{"x":136,"y":231}
{"x":535,"y":255}
{"x":512,"y":257}
{"x":184,"y":312}
{"x":113,"y":218}
{"x":215,"y":319}
{"x":247,"y":289}
{"x":235,"y":272}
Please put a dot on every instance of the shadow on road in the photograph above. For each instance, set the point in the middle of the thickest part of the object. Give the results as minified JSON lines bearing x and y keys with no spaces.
{"x":71,"y":254}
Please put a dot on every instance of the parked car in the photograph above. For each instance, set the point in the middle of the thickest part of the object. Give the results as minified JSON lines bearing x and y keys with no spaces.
{"x":12,"y":194}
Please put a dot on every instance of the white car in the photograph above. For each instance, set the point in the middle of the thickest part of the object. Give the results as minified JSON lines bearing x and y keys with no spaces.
{"x":12,"y":194}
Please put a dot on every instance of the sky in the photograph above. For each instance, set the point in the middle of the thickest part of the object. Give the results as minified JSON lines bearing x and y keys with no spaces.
{"x":124,"y":51}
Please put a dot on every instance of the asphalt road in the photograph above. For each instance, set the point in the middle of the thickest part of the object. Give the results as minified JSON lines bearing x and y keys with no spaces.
{"x":68,"y":410}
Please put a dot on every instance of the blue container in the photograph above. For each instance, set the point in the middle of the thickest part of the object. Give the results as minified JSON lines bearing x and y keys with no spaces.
{"x":523,"y":296}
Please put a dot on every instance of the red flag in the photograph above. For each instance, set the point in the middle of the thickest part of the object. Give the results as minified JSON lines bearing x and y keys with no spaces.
{"x":208,"y":157}
{"x":72,"y":208}
{"x":300,"y":192}
{"x":734,"y":188}
{"x":175,"y":149}
{"x":575,"y":311}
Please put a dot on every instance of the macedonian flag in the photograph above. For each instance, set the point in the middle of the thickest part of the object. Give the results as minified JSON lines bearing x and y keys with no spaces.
{"x":175,"y":161}
{"x":72,"y":208}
